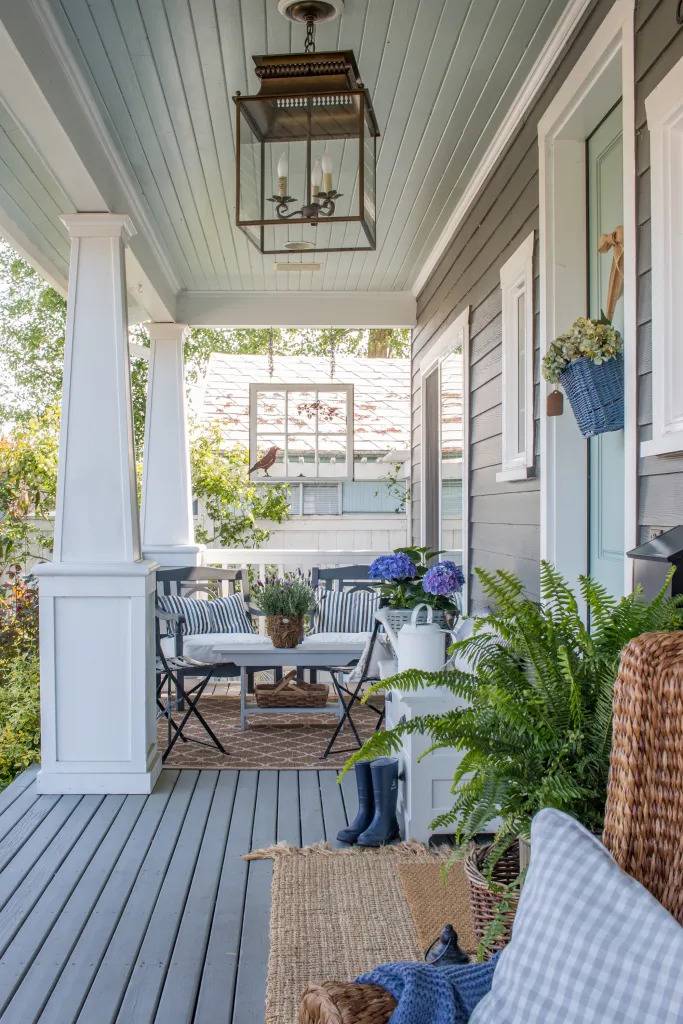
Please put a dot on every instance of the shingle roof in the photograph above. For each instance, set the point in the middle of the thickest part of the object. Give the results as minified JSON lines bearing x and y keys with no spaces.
{"x":381,"y":394}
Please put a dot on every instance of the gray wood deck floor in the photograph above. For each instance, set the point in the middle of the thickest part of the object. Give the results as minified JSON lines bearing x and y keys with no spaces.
{"x":134,"y":909}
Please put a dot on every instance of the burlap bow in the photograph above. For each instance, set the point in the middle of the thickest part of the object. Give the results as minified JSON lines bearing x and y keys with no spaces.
{"x":614,"y":241}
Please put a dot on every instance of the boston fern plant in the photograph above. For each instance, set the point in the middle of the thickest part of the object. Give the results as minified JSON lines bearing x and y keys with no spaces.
{"x":536,"y":728}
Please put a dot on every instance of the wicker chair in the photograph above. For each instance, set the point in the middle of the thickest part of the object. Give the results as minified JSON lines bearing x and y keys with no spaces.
{"x":644,"y":814}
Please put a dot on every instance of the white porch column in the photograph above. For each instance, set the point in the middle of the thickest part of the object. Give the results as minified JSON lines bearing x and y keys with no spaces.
{"x":167,"y":522}
{"x":97,"y":596}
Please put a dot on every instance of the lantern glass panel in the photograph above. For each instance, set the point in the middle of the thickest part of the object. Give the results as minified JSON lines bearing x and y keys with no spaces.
{"x":369,"y":213}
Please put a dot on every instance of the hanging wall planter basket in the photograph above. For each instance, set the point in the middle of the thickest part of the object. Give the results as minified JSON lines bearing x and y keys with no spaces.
{"x":596,"y":394}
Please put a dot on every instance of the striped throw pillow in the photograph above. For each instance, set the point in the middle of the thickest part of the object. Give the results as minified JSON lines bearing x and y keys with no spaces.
{"x":350,"y":611}
{"x":229,"y":615}
{"x":194,"y":612}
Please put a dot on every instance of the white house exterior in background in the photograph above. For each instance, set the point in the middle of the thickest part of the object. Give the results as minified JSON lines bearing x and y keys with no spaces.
{"x":344,"y":441}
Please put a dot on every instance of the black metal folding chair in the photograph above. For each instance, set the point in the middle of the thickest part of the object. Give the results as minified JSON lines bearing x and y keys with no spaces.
{"x":348,"y":578}
{"x":171,"y":672}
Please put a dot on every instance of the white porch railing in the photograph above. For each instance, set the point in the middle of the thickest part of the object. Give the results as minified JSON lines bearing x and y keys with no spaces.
{"x":284,"y":560}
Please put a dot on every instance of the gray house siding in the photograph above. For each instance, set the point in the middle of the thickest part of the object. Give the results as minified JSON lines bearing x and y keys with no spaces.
{"x":505,"y":517}
{"x":658,"y":47}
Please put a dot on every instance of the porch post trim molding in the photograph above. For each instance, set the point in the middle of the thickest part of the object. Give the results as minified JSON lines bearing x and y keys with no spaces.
{"x":167,"y":520}
{"x":98,"y":721}
{"x":455,"y":335}
{"x":523,"y":101}
{"x":603,"y":75}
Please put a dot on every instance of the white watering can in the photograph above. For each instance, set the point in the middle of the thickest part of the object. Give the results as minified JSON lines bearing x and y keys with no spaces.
{"x":417,"y":646}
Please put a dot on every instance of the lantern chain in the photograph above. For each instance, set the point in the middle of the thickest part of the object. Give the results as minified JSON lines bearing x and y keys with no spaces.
{"x":310,"y":36}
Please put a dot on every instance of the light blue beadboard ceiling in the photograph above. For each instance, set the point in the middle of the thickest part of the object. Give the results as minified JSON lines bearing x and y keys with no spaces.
{"x":442,"y":74}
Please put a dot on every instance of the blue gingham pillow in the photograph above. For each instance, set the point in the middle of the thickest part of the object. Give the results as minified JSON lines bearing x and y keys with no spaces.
{"x":194,"y":612}
{"x":351,"y":611}
{"x":229,"y":615}
{"x":589,"y":944}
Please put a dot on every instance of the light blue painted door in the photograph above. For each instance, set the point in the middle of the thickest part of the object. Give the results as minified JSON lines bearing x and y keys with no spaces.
{"x":606,"y":452}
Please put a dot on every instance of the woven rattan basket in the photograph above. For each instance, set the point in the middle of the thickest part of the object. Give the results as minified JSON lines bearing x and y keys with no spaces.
{"x":345,"y":1003}
{"x":285,"y":632}
{"x":486,"y":896}
{"x":291,"y":695}
{"x":596,"y":394}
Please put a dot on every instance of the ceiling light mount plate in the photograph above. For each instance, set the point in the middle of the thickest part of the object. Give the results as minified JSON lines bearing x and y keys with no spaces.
{"x":310,"y":10}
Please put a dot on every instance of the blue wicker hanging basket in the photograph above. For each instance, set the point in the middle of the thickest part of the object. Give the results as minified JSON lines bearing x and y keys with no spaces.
{"x":596,"y":394}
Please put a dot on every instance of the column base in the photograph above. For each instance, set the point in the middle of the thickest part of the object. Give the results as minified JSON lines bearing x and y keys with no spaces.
{"x":83,"y":782}
{"x":175,"y":555}
{"x":97,"y":678}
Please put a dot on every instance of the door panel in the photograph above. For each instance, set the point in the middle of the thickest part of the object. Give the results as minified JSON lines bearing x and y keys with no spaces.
{"x":606,"y":452}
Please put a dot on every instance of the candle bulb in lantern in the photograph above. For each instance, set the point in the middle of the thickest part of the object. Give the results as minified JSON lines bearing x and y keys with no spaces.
{"x":316,"y":178}
{"x":327,"y":172}
{"x":282,"y":169}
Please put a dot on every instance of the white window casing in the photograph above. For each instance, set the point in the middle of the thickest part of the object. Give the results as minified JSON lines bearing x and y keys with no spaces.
{"x":316,"y":434}
{"x":517,"y":287}
{"x":664,"y":108}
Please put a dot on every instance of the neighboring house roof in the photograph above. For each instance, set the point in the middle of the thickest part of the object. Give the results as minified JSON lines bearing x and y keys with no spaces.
{"x":381,"y":394}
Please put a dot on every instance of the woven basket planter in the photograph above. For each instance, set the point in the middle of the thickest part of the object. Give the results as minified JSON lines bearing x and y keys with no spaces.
{"x":337,"y":1002}
{"x":300,"y":695}
{"x":285,"y":632}
{"x":485,"y":896}
{"x":596,"y":394}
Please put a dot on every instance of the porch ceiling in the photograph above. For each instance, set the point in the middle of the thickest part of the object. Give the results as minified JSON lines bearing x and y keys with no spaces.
{"x":155,"y":79}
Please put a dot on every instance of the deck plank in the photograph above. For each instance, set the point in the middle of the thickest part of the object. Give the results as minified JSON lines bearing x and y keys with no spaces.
{"x":250,"y":989}
{"x":334,"y":816}
{"x":21,"y":889}
{"x":217,"y":989}
{"x":312,"y":825}
{"x":37,"y":925}
{"x":17,"y":786}
{"x":181,"y":987}
{"x":151,"y":965}
{"x":37,"y":817}
{"x":288,"y":826}
{"x":15,"y":811}
{"x":350,"y":795}
{"x":77,"y":974}
{"x":107,"y":990}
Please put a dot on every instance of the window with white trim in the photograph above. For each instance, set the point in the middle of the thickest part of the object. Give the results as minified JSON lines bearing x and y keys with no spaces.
{"x":664,"y":109}
{"x":517,"y":286}
{"x":301,"y":432}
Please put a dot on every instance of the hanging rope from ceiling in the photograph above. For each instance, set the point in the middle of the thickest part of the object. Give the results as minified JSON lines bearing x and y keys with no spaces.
{"x":271,"y":354}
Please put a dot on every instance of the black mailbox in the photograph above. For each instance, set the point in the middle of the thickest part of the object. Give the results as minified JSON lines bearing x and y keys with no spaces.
{"x":655,"y":558}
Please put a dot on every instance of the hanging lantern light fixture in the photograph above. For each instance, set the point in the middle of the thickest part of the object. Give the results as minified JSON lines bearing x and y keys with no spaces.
{"x":307,"y":147}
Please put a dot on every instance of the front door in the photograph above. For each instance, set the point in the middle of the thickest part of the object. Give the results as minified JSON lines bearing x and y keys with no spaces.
{"x":606,"y":451}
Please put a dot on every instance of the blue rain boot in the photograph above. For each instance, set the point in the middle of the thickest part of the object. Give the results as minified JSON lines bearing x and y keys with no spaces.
{"x":384,"y":826}
{"x":366,"y":805}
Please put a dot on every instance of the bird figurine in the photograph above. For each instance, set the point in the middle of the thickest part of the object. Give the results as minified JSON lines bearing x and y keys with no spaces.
{"x":266,"y":461}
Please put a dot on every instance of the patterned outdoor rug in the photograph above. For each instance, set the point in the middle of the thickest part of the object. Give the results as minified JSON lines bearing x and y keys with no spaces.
{"x":277,"y":741}
{"x":338,"y":913}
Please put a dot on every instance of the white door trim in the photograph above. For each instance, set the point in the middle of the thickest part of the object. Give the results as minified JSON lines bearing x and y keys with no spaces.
{"x":456,"y":335}
{"x":603,"y":74}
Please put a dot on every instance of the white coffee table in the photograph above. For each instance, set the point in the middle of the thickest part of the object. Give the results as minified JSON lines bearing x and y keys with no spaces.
{"x":315,"y":654}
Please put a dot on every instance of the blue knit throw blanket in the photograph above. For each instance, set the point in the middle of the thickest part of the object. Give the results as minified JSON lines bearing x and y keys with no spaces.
{"x":433,"y":995}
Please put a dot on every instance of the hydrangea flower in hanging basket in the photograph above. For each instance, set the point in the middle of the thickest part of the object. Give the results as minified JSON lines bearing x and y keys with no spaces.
{"x":588,"y":363}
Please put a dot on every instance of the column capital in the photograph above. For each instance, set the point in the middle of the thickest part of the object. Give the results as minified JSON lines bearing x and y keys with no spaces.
{"x":169,"y":331}
{"x":98,"y":225}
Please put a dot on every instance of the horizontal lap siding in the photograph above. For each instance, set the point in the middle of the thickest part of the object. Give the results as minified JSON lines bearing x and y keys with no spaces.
{"x":659,"y":46}
{"x":504,"y":517}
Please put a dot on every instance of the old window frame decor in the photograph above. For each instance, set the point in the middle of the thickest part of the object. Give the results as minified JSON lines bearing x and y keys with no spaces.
{"x":517,"y":288}
{"x":286,"y":433}
{"x":664,"y":110}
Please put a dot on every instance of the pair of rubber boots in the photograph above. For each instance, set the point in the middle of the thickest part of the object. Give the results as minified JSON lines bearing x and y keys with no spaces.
{"x":375,"y":824}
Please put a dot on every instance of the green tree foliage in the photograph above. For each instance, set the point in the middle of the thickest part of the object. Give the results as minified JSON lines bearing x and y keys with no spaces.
{"x":232,"y":502}
{"x":28,"y":486}
{"x":32,"y":324}
{"x":19,"y":718}
{"x":536,"y":729}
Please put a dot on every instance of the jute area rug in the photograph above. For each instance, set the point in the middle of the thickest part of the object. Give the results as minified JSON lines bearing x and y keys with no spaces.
{"x":338,"y":913}
{"x":276,"y":741}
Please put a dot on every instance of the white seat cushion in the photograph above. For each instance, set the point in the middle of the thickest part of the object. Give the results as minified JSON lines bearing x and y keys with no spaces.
{"x":211,"y":647}
{"x":335,"y":639}
{"x":589,"y":944}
